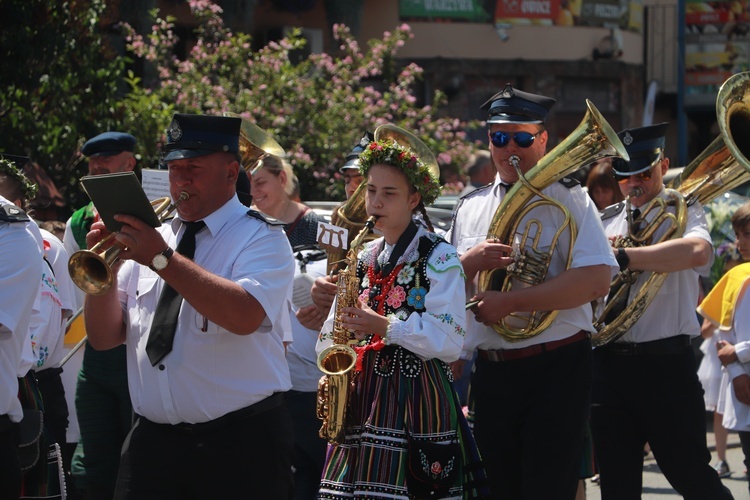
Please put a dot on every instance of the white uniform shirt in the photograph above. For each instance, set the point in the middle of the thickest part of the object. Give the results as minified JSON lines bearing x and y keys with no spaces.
{"x":300,"y":354}
{"x":471,"y":224}
{"x":20,"y":269}
{"x":210,"y":371}
{"x":672,"y":312}
{"x":438,"y":332}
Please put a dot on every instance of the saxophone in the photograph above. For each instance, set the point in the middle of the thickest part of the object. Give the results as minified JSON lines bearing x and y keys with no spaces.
{"x":337,"y":361}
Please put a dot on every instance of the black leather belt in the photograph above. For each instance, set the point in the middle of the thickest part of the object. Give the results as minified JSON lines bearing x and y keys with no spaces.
{"x":271,"y":402}
{"x":669,"y":345}
{"x":533,"y":350}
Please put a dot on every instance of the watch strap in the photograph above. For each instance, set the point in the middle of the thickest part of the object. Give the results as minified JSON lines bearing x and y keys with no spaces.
{"x":167,"y":252}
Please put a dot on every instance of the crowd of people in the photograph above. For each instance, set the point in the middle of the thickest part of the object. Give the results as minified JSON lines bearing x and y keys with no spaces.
{"x":200,"y":372}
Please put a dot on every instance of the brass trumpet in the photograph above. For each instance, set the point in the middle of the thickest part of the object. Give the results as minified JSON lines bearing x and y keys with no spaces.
{"x":91,"y":270}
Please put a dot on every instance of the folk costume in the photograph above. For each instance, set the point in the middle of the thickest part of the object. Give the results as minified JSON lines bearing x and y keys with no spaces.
{"x":403,"y":379}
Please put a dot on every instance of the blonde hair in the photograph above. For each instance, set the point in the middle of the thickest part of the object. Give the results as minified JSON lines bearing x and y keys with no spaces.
{"x":274,"y":165}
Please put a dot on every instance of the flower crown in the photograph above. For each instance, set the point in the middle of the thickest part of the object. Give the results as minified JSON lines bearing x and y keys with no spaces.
{"x":28,"y":188}
{"x":389,"y":152}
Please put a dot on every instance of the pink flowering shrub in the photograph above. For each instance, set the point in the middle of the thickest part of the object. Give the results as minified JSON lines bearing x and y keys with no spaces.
{"x":317,"y":109}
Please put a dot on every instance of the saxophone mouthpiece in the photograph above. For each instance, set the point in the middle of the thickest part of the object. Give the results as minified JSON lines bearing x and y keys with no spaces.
{"x":371,"y":220}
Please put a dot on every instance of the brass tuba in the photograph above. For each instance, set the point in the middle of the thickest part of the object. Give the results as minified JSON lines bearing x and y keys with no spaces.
{"x":722,"y":166}
{"x":255,"y":144}
{"x":592,"y":140}
{"x":91,"y":270}
{"x":338,"y":360}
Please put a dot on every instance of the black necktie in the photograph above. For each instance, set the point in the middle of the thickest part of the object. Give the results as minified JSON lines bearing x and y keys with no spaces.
{"x":161,"y":336}
{"x":620,"y":305}
{"x":636,"y":225}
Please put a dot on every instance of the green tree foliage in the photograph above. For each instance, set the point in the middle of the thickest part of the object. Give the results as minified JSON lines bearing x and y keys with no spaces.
{"x":61,"y":80}
{"x":317,"y":108}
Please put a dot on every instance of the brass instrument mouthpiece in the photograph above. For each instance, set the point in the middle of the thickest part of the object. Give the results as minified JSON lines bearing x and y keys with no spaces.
{"x":635,"y":193}
{"x":514,"y":160}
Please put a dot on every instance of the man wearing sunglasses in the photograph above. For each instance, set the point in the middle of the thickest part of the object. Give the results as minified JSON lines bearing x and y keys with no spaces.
{"x":531,"y":397}
{"x":646,"y":388}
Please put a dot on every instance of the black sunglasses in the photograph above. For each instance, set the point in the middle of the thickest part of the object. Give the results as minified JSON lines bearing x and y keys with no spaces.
{"x":501,"y":139}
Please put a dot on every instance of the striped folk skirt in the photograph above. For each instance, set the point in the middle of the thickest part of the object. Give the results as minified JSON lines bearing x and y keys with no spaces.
{"x":398,"y":397}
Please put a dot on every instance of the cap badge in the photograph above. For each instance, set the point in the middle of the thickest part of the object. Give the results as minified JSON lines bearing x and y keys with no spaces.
{"x":506,"y":93}
{"x":364,"y":141}
{"x":628,"y":139}
{"x":175,"y":132}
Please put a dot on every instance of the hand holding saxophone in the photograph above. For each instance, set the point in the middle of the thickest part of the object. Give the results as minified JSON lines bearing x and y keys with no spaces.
{"x":363,"y":321}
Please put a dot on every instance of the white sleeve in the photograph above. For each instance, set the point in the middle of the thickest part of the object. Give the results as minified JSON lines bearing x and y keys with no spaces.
{"x":438,"y":331}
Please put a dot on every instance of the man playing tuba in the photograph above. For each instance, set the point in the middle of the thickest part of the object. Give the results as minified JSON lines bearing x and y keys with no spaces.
{"x":531,"y":395}
{"x":646,"y":389}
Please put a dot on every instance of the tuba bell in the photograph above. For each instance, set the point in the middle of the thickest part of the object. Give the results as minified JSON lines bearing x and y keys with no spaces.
{"x":592,"y":140}
{"x":722,"y":166}
{"x":255,"y":144}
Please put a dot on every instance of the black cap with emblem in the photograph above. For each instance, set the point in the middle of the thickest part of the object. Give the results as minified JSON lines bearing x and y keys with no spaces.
{"x":516,"y":106}
{"x":644,"y":145}
{"x":352,"y":159}
{"x":191,"y":136}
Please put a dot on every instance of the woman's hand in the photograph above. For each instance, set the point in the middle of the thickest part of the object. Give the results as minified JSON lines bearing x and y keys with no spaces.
{"x":741,"y":386}
{"x":363,"y":321}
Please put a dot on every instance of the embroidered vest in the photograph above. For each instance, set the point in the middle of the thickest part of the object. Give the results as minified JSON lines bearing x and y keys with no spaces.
{"x":401,"y":293}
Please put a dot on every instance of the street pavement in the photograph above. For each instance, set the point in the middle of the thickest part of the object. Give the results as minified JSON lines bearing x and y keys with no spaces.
{"x":656,"y":486}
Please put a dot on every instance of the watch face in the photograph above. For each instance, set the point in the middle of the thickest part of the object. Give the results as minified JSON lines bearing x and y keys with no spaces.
{"x":159,"y":262}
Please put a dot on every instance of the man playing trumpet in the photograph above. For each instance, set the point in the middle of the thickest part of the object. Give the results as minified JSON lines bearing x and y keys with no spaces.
{"x":201,"y":304}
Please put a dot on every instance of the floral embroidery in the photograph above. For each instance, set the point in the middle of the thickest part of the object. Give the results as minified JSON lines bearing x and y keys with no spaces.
{"x":442,"y":259}
{"x":364,"y":296}
{"x":405,"y":276}
{"x":396,"y":297}
{"x":447,"y":318}
{"x":416,"y":297}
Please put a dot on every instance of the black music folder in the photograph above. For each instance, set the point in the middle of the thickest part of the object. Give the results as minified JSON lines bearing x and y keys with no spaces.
{"x":119,"y":193}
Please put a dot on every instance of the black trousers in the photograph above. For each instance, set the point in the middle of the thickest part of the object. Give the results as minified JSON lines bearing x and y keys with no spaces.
{"x":10,"y":468}
{"x":309,"y":447}
{"x":246,"y":458}
{"x":530,"y":416}
{"x":745,"y":442}
{"x":654,"y":398}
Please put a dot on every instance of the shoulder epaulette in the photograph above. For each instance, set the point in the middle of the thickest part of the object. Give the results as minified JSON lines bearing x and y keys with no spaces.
{"x":11,"y":213}
{"x":265,"y":218}
{"x":569,"y":182}
{"x":612,"y":210}
{"x":477,"y":190}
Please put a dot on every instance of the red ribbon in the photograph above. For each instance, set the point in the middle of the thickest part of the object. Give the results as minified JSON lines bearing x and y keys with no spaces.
{"x":376,"y":344}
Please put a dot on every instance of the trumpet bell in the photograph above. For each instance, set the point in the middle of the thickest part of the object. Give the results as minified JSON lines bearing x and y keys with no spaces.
{"x":255,"y":144}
